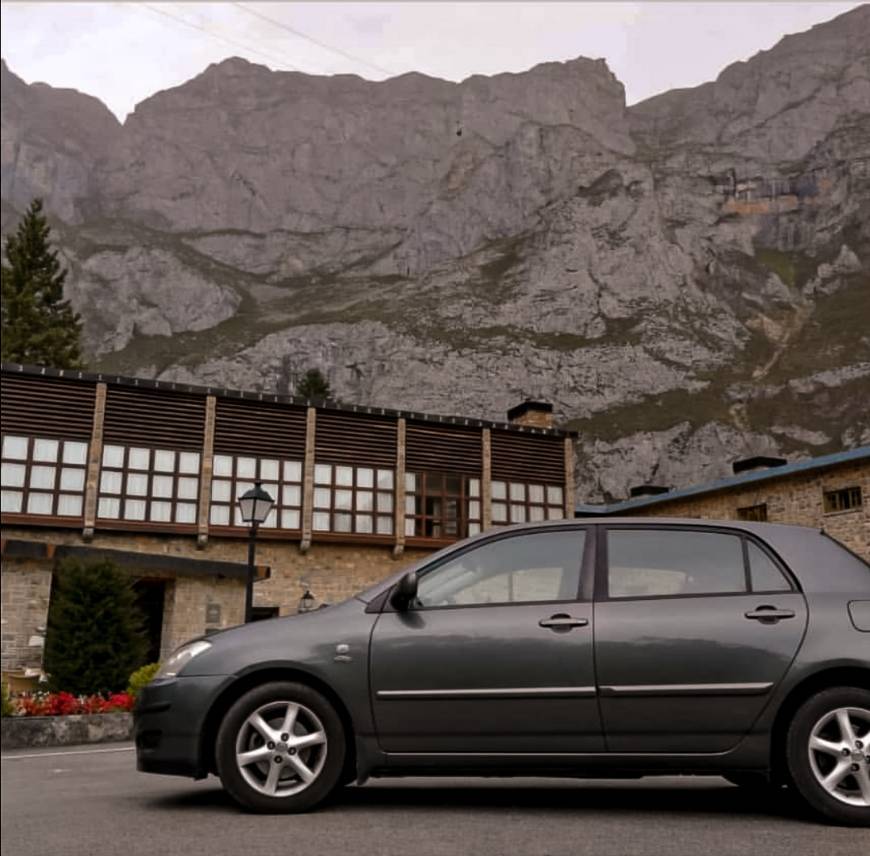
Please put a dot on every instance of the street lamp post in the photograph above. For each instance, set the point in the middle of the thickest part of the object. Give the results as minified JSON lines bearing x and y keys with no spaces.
{"x":254,"y":505}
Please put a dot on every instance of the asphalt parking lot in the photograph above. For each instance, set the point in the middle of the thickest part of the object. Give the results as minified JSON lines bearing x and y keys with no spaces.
{"x":91,"y":800}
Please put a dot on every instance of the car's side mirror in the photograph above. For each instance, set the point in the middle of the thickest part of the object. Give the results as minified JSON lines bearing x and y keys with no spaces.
{"x":405,"y":592}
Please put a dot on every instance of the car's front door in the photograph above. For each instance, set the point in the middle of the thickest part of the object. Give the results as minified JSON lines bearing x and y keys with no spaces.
{"x":496,"y":655}
{"x":694,"y":629}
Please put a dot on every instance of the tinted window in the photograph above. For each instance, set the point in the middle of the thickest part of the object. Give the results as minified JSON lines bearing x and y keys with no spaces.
{"x":524,"y":569}
{"x":647,"y":563}
{"x":766,"y":576}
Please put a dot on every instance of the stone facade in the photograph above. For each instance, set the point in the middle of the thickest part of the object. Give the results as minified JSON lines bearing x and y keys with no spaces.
{"x":26,"y":591}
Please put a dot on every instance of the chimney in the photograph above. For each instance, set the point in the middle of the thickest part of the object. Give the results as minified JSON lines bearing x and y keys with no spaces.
{"x":533,"y":414}
{"x":647,"y":490}
{"x":758,"y":462}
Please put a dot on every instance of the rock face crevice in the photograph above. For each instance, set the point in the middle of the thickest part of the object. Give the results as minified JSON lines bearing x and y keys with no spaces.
{"x":687,"y":280}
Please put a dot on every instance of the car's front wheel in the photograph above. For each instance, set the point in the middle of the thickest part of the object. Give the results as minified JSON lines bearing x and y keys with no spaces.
{"x":828,"y":754}
{"x":280,"y":748}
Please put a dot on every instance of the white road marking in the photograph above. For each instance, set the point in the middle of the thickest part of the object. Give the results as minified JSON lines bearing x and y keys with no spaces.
{"x":74,"y":752}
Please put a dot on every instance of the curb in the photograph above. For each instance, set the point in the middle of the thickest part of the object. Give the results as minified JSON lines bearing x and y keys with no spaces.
{"x":31,"y":732}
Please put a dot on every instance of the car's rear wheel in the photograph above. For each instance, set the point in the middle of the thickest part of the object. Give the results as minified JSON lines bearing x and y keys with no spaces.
{"x":828,"y":754}
{"x":280,"y":748}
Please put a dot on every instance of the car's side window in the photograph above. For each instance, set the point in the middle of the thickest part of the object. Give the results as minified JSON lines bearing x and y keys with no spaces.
{"x":765,"y":574}
{"x":528,"y":568}
{"x":668,"y":562}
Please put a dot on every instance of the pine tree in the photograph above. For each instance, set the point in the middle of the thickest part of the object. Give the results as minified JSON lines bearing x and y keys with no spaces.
{"x":313,"y":385}
{"x":38,"y":325}
{"x":96,"y":637}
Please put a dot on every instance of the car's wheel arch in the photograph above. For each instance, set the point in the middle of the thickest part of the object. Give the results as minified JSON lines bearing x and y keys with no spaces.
{"x":808,"y":686}
{"x":263,"y":675}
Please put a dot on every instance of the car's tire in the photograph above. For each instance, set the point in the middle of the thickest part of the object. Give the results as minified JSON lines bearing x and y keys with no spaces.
{"x":280,"y":748}
{"x":833,"y":783}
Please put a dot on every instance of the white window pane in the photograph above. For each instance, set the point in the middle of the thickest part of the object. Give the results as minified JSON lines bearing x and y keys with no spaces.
{"x":344,"y":499}
{"x":69,"y":505}
{"x":518,"y":514}
{"x":473,"y":528}
{"x":385,"y":479}
{"x":385,"y":525}
{"x":134,"y":509}
{"x":271,"y":521}
{"x":292,"y":471}
{"x":15,"y":447}
{"x":323,"y":474}
{"x":320,"y":521}
{"x":410,"y":482}
{"x":499,"y":512}
{"x":161,"y":486}
{"x":222,"y":465}
{"x":74,"y":452}
{"x":13,"y":475}
{"x":220,"y":515}
{"x":10,"y":500}
{"x":188,"y":462}
{"x":410,"y":505}
{"x":342,"y":522}
{"x":554,"y":495}
{"x":109,"y":507}
{"x":364,"y":500}
{"x":246,"y":468}
{"x":363,"y":523}
{"x":161,"y":512}
{"x":272,"y":490}
{"x":499,"y":490}
{"x":385,"y":502}
{"x":269,"y":469}
{"x":139,"y":459}
{"x":536,"y":493}
{"x":221,"y":490}
{"x":72,"y":478}
{"x":474,"y":487}
{"x":409,"y":527}
{"x":555,"y":512}
{"x":290,"y":519}
{"x":110,"y":482}
{"x":365,"y":477}
{"x":137,"y":484}
{"x":536,"y":512}
{"x":113,"y":456}
{"x":292,"y":495}
{"x":188,"y":488}
{"x":518,"y":492}
{"x":42,"y":477}
{"x":322,"y":497}
{"x":185,"y":512}
{"x":474,"y":509}
{"x":45,"y":450}
{"x":164,"y":460}
{"x":344,"y":476}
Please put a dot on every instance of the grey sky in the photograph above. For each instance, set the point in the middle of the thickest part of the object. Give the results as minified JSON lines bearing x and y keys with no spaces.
{"x":124,"y":52}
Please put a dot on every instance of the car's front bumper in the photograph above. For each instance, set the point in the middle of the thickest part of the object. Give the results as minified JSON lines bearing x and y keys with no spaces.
{"x":169,"y":719}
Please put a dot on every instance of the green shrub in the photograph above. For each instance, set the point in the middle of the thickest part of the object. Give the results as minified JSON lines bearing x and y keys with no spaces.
{"x":96,"y":634}
{"x":7,"y":708}
{"x":141,"y":677}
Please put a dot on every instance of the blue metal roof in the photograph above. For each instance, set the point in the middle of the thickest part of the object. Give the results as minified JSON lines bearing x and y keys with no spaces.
{"x":860,"y":454}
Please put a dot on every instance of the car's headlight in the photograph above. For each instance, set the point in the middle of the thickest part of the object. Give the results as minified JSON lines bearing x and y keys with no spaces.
{"x":181,"y":657}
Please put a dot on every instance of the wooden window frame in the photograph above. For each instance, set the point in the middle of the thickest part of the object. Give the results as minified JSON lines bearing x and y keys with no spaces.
{"x":355,"y":488}
{"x":527,"y":503}
{"x":842,"y":499}
{"x":753,"y":513}
{"x":423,"y":479}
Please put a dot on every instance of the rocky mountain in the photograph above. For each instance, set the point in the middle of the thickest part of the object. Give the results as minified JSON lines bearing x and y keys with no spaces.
{"x":687,"y":279}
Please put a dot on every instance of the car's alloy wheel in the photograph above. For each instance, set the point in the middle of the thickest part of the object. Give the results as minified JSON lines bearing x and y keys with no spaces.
{"x":280,"y":748}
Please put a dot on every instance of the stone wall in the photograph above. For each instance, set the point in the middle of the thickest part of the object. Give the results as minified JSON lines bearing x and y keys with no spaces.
{"x":26,"y":588}
{"x":792,"y":499}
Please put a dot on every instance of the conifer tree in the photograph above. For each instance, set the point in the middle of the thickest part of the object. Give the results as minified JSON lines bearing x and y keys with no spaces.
{"x":96,"y":637}
{"x":38,"y":325}
{"x":313,"y":385}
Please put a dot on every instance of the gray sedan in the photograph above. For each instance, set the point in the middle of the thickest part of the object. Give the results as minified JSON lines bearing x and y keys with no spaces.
{"x":619,"y":647}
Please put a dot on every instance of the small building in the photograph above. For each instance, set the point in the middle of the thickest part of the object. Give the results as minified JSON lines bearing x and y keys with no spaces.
{"x":147,"y":473}
{"x":831,"y":492}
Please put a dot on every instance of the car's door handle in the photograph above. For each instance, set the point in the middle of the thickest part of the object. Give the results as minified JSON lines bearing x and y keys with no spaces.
{"x":562,"y":621}
{"x":769,"y":613}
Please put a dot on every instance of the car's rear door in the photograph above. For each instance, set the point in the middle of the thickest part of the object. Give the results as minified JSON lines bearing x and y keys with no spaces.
{"x":497,"y":656}
{"x":694,"y":629}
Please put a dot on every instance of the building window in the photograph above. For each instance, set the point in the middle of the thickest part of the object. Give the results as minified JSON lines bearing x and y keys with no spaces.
{"x":233,"y":476}
{"x":436,"y":505}
{"x":474,"y":507}
{"x":43,"y":476}
{"x":845,"y":499}
{"x":353,"y":499}
{"x":518,"y":502}
{"x":757,"y":513}
{"x":142,"y":484}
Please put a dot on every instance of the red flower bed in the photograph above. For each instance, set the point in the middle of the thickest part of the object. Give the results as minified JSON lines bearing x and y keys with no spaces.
{"x":64,"y":704}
